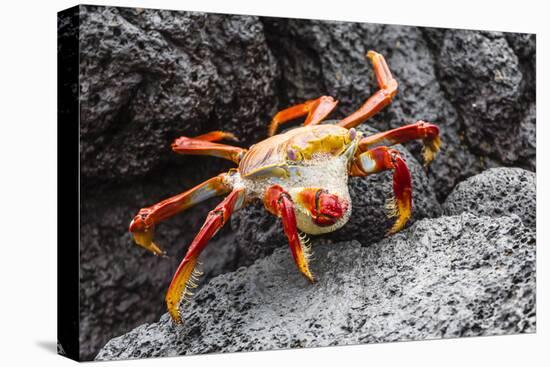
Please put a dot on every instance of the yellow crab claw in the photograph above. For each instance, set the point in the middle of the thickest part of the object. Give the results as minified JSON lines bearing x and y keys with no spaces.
{"x":145,"y":240}
{"x":432,"y":145}
{"x":143,"y":236}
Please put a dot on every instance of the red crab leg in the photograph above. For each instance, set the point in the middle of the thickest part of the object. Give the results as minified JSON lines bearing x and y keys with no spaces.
{"x":316,"y":110}
{"x":181,"y":282}
{"x":380,"y":99}
{"x":278,"y":202}
{"x":203,"y":145}
{"x":380,"y":159}
{"x":143,"y":224}
{"x":429,"y":133}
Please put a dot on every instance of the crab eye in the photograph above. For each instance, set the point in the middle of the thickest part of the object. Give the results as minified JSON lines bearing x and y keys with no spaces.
{"x":291,"y":154}
{"x":352,"y":133}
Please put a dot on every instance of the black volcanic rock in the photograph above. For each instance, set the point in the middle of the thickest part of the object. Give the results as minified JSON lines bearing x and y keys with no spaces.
{"x":497,"y":192}
{"x":483,"y":78}
{"x":441,"y":278}
{"x":148,"y":76}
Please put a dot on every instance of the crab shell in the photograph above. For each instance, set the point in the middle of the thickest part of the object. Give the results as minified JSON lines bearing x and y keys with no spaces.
{"x":305,"y":157}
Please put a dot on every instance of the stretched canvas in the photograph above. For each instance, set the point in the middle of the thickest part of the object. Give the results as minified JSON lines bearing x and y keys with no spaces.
{"x":241,"y":183}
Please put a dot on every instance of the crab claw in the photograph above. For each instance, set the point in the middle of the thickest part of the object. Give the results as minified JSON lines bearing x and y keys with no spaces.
{"x":432,"y":141}
{"x":325,"y":208}
{"x":329,"y":208}
{"x":143,"y":235}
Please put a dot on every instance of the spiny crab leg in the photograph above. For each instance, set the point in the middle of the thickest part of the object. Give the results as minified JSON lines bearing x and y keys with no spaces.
{"x":380,"y":99}
{"x":182,"y":281}
{"x":203,"y":145}
{"x":143,"y":224}
{"x":429,"y":133}
{"x":278,"y":202}
{"x":380,"y":159}
{"x":316,"y":110}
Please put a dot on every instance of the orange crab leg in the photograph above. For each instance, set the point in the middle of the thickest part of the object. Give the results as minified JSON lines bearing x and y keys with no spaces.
{"x":278,"y":202}
{"x":182,"y":281}
{"x":217,"y":136}
{"x":316,"y":110}
{"x":429,"y":133}
{"x":143,"y":224}
{"x":380,"y":159}
{"x":203,"y":145}
{"x":380,"y":99}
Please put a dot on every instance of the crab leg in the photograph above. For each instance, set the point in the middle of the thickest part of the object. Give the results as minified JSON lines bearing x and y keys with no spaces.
{"x":316,"y":110}
{"x":429,"y":133}
{"x":182,"y":281}
{"x":381,"y":159}
{"x":278,"y":202}
{"x":203,"y":145}
{"x":143,"y":224}
{"x":380,"y":99}
{"x":217,"y":136}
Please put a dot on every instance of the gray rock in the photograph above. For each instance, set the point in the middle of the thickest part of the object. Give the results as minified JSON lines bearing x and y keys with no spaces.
{"x":525,"y":47}
{"x":497,"y":192}
{"x":446,"y":277}
{"x":259,"y":232}
{"x":122,"y":285}
{"x":435,"y":37}
{"x":523,"y":44}
{"x":149,"y":76}
{"x":483,"y":79}
{"x":527,"y":139}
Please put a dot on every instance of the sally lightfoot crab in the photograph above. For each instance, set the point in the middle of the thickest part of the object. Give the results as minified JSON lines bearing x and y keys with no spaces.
{"x":301,"y":176}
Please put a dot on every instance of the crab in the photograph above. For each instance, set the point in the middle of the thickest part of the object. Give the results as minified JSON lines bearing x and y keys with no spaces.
{"x":301,"y":176}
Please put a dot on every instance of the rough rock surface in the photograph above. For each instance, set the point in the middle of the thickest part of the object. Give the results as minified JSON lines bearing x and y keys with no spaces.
{"x":148,"y":76}
{"x":446,"y":277}
{"x":496,"y":192}
{"x":122,"y":285}
{"x":484,"y":80}
{"x":259,"y":232}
